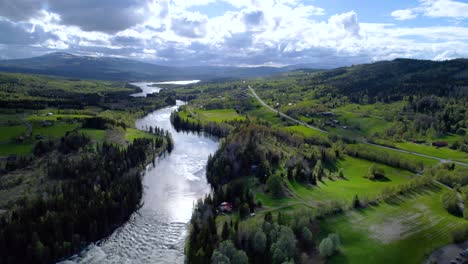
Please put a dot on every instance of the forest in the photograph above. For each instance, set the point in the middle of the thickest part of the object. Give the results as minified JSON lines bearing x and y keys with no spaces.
{"x":71,"y":163}
{"x":299,"y":194}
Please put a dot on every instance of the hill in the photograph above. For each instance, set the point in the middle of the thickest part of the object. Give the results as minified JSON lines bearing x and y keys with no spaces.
{"x":106,"y":68}
{"x":398,"y":77}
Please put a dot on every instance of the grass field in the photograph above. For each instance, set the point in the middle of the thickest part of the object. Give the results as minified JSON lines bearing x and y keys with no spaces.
{"x":354,"y":184}
{"x":11,"y":132}
{"x":363,"y":125}
{"x":215,"y":115}
{"x":307,"y":132}
{"x":266,"y":115}
{"x":55,"y":117}
{"x":56,"y":131}
{"x":402,"y":156}
{"x":444,"y":153}
{"x":219,"y":115}
{"x":94,"y":134}
{"x":401,"y":233}
{"x":16,"y":148}
{"x":131,"y":134}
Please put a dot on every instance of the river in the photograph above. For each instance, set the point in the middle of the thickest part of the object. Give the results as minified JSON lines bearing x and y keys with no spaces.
{"x":149,"y":88}
{"x":156,"y":233}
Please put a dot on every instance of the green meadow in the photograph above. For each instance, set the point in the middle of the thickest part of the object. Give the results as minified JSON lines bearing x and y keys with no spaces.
{"x":406,"y":232}
{"x":344,"y":190}
{"x":443,"y":153}
{"x":11,"y":132}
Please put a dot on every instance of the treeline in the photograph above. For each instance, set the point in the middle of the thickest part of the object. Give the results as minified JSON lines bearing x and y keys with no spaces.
{"x":389,"y":81}
{"x":274,"y":239}
{"x":450,"y":175}
{"x":384,"y":157}
{"x":102,"y":123}
{"x":431,"y":116}
{"x":93,"y":192}
{"x":213,"y":128}
{"x":71,"y":142}
{"x":256,"y":152}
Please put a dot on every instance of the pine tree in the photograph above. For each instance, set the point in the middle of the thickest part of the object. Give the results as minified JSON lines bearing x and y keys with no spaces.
{"x":356,"y":202}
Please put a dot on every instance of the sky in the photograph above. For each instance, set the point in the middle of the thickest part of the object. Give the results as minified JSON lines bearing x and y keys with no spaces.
{"x":323,"y":33}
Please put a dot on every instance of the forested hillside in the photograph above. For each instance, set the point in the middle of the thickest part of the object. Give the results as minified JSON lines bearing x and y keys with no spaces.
{"x":70,"y":162}
{"x":343,"y":166}
{"x":392,"y":80}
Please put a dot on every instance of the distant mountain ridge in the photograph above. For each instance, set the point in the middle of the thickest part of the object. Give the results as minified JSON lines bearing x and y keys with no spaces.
{"x":109,"y":68}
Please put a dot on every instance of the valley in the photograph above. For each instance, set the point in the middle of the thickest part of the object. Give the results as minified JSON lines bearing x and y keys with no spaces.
{"x":318,"y":176}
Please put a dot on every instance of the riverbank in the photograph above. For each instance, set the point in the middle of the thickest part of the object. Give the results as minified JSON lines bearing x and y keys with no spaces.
{"x":448,"y":253}
{"x":156,"y":232}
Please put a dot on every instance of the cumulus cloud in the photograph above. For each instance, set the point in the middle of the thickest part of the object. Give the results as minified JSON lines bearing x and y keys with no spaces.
{"x":246,"y":32}
{"x":20,"y":10}
{"x":347,"y":22}
{"x":23,"y":33}
{"x":435,"y":9}
{"x":103,"y":15}
{"x":189,"y":27}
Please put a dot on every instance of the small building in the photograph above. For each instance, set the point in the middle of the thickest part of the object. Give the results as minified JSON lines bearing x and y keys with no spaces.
{"x":225,"y":207}
{"x":344,"y":127}
{"x":329,"y":123}
{"x":50,"y":114}
{"x":336,"y":122}
{"x":440,"y":144}
{"x":39,"y":137}
{"x":327,"y":113}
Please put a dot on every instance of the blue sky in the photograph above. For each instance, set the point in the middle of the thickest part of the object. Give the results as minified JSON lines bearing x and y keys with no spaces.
{"x":323,"y":33}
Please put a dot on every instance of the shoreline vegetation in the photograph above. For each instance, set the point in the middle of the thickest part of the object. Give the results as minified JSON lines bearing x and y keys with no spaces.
{"x":78,"y":176}
{"x":284,"y":193}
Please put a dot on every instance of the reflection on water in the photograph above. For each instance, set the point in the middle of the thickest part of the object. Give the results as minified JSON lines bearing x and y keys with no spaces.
{"x":146,"y":89}
{"x":156,"y":233}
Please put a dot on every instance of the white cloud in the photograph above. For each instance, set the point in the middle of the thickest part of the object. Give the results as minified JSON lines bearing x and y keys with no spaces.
{"x":252,"y":32}
{"x":445,"y":8}
{"x":435,"y":9}
{"x":403,"y":14}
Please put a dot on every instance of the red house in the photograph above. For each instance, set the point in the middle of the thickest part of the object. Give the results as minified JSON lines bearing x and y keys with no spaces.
{"x":225,"y":207}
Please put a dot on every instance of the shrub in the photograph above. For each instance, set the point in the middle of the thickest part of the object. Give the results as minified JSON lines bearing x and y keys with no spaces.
{"x":275,"y":185}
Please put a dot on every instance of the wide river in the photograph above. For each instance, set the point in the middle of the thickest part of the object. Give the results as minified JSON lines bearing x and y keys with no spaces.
{"x":156,"y":233}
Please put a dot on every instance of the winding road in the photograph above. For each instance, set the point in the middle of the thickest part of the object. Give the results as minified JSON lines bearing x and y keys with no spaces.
{"x":364,"y":142}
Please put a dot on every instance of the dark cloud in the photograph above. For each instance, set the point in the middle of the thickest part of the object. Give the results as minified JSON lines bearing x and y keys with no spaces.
{"x":20,"y":10}
{"x":23,"y":33}
{"x":108,"y":16}
{"x":126,"y":41}
{"x":185,"y":27}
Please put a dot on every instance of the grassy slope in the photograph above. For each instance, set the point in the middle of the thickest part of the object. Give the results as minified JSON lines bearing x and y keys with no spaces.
{"x":444,"y":153}
{"x":399,"y":233}
{"x":10,"y":132}
{"x":354,"y":184}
